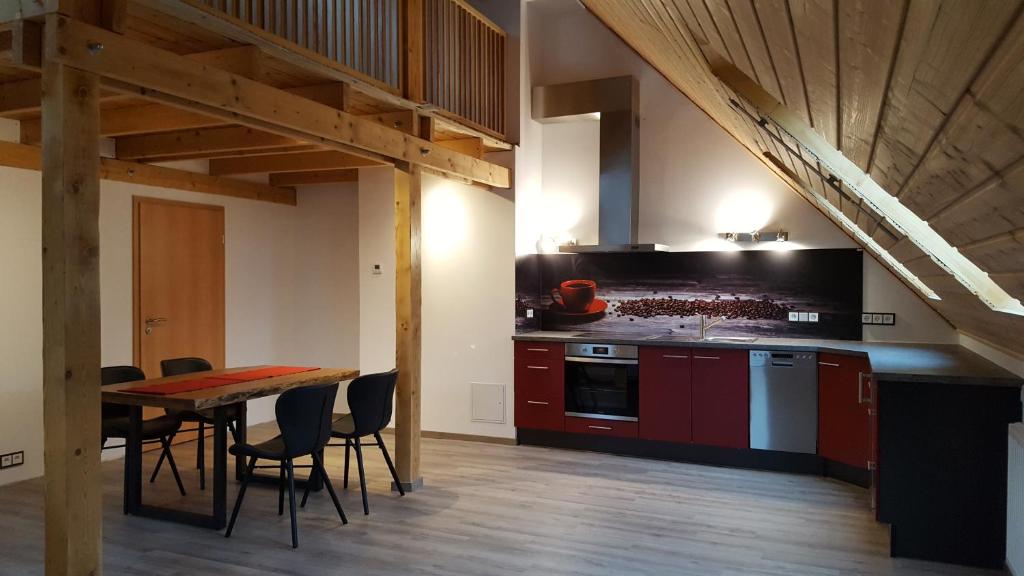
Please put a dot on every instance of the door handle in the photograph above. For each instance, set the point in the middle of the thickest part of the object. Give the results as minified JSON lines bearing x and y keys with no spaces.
{"x":537,"y":367}
{"x":832,"y":364}
{"x":537,"y":402}
{"x":155,"y":321}
{"x":600,"y":427}
{"x":673,"y":356}
{"x":707,"y":358}
{"x":537,"y":350}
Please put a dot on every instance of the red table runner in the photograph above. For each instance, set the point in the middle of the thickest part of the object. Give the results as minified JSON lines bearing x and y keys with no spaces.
{"x":167,"y":388}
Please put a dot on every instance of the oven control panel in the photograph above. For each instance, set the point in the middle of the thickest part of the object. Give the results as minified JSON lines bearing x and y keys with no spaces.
{"x":602,"y":351}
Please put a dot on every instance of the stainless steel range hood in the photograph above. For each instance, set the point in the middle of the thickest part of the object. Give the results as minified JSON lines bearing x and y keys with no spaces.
{"x":617,"y":101}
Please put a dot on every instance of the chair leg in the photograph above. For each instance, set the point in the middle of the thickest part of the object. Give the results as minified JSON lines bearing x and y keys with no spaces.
{"x":348,"y":448}
{"x":280,"y":491}
{"x":319,"y":463}
{"x":166,"y":442}
{"x":391,"y":465}
{"x":234,"y":431}
{"x":201,"y":456}
{"x":159,"y":462}
{"x":362,"y":475}
{"x":241,"y":494}
{"x":291,"y":504}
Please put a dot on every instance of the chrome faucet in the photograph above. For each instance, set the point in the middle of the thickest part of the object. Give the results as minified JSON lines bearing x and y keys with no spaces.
{"x":705,"y":325}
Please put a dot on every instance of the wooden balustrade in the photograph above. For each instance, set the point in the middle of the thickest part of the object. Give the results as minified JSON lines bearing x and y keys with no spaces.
{"x":463,"y":53}
{"x":464,"y":64}
{"x":362,"y":35}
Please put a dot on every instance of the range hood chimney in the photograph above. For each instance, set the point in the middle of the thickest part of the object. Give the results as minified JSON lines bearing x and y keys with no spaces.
{"x":617,"y":101}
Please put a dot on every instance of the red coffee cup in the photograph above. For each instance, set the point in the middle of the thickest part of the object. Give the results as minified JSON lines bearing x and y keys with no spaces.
{"x":574,"y":295}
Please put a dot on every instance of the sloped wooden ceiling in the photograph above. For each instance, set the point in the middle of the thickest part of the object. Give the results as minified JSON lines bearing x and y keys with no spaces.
{"x":925,"y":96}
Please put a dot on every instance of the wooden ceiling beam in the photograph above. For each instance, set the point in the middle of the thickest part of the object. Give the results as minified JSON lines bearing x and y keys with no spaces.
{"x":299,"y":162}
{"x":30,"y":158}
{"x":247,"y":102}
{"x":314,"y":177}
{"x":196,"y":143}
{"x":234,"y":153}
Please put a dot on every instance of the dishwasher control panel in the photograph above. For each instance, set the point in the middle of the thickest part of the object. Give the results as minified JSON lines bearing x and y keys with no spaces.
{"x":760,"y":358}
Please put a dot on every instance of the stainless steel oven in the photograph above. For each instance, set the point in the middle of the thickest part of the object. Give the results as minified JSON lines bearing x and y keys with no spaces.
{"x":602,"y":381}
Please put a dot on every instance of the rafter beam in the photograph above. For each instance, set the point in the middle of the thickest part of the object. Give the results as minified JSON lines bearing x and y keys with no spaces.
{"x":314,"y":177}
{"x":300,"y":162}
{"x":30,"y":158}
{"x":197,"y":143}
{"x":253,"y":104}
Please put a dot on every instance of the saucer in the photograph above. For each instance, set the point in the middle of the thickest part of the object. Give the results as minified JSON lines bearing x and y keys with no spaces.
{"x":594,"y":310}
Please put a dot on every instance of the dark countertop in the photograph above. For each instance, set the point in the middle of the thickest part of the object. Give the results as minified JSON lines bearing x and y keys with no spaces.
{"x":890,"y":361}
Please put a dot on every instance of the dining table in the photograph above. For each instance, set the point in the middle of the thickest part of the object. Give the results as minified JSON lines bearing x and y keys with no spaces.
{"x":216,"y":391}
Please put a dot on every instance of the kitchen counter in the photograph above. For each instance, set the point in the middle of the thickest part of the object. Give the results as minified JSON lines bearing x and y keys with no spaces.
{"x":890,"y":362}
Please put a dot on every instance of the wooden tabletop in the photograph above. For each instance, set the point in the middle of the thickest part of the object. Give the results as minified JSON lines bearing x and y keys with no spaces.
{"x":221,"y":395}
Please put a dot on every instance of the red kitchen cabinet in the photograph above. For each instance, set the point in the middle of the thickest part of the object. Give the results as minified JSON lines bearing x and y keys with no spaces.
{"x":540,"y":385}
{"x":844,"y":397}
{"x":665,"y":394}
{"x":720,"y":397}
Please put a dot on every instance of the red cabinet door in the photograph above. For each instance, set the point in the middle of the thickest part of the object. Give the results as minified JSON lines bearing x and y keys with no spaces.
{"x":721,"y":397}
{"x":843,"y":402}
{"x":540,"y":385}
{"x":665,"y":394}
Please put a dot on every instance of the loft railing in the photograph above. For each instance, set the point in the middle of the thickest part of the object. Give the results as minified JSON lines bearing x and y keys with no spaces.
{"x":458,"y":53}
{"x":464,"y":64}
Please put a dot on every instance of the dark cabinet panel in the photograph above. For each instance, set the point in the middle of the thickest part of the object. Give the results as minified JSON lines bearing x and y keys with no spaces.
{"x":720,"y":397}
{"x":540,"y":385}
{"x":665,"y":404}
{"x":844,"y":397}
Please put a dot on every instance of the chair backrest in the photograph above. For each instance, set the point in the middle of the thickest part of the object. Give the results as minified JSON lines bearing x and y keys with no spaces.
{"x":304,"y":417}
{"x":176,"y":366}
{"x":118,"y":375}
{"x":370,"y":399}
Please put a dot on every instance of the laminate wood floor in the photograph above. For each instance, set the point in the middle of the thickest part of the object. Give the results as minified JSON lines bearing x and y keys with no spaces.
{"x":496,"y":510}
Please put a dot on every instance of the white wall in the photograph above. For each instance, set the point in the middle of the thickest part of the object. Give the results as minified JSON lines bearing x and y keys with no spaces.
{"x":291,"y":291}
{"x":695,"y":179}
{"x":468,"y":287}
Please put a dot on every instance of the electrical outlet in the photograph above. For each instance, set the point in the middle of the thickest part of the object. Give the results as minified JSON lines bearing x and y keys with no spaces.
{"x":376,"y":270}
{"x":529,"y":312}
{"x":794,"y":316}
{"x":18,"y":458}
{"x":5,"y":461}
{"x":812,"y":316}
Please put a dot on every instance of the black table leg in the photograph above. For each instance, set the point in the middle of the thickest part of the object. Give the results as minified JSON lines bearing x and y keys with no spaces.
{"x":220,"y":465}
{"x":133,"y":462}
{"x":240,"y":430}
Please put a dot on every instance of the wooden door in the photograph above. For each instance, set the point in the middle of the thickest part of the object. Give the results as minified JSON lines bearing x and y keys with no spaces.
{"x":721,"y":397}
{"x":179,"y":282}
{"x":843,"y":434}
{"x":665,"y":394}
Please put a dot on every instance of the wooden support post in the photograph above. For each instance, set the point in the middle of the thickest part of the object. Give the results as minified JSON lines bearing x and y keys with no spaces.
{"x":407,"y":325}
{"x":412,"y":32}
{"x":71,"y":316}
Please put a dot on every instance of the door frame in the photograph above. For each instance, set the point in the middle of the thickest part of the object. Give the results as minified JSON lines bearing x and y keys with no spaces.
{"x":137,"y":202}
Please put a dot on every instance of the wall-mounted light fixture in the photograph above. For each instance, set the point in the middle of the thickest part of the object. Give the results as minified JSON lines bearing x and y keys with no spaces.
{"x":755,"y":236}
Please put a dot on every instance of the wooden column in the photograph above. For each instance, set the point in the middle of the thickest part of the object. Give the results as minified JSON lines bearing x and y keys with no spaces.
{"x":412,"y":67}
{"x":408,"y":327}
{"x":71,"y":316}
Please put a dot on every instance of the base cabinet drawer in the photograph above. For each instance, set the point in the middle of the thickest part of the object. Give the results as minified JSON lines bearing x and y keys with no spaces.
{"x":598,"y":427}
{"x":540,"y":413}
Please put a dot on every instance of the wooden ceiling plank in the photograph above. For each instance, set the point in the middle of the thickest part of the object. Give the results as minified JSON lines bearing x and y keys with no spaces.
{"x":942,"y":50}
{"x":716,"y":13}
{"x":869,"y":34}
{"x":778,"y":32}
{"x":192,"y":142}
{"x":814,"y":26}
{"x":236,"y":97}
{"x":235,"y":153}
{"x":30,"y":158}
{"x":314,"y":177}
{"x":20,"y":97}
{"x":750,"y":34}
{"x":300,"y":162}
{"x":984,"y":134}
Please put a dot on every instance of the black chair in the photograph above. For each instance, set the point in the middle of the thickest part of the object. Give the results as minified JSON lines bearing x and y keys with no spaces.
{"x":304,"y":418}
{"x":116,"y":422}
{"x":179,"y":366}
{"x":369,"y":399}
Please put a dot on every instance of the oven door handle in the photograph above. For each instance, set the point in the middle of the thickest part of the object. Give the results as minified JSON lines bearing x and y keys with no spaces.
{"x":585,"y":360}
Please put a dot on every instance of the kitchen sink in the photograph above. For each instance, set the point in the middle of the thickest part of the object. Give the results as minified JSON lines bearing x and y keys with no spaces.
{"x":683,"y":338}
{"x":738,"y":339}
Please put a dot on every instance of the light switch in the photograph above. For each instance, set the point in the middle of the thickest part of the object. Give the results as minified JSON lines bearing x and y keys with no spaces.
{"x":529,"y":312}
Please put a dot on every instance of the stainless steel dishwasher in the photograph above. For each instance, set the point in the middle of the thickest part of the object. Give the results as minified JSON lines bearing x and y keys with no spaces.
{"x":784,"y":401}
